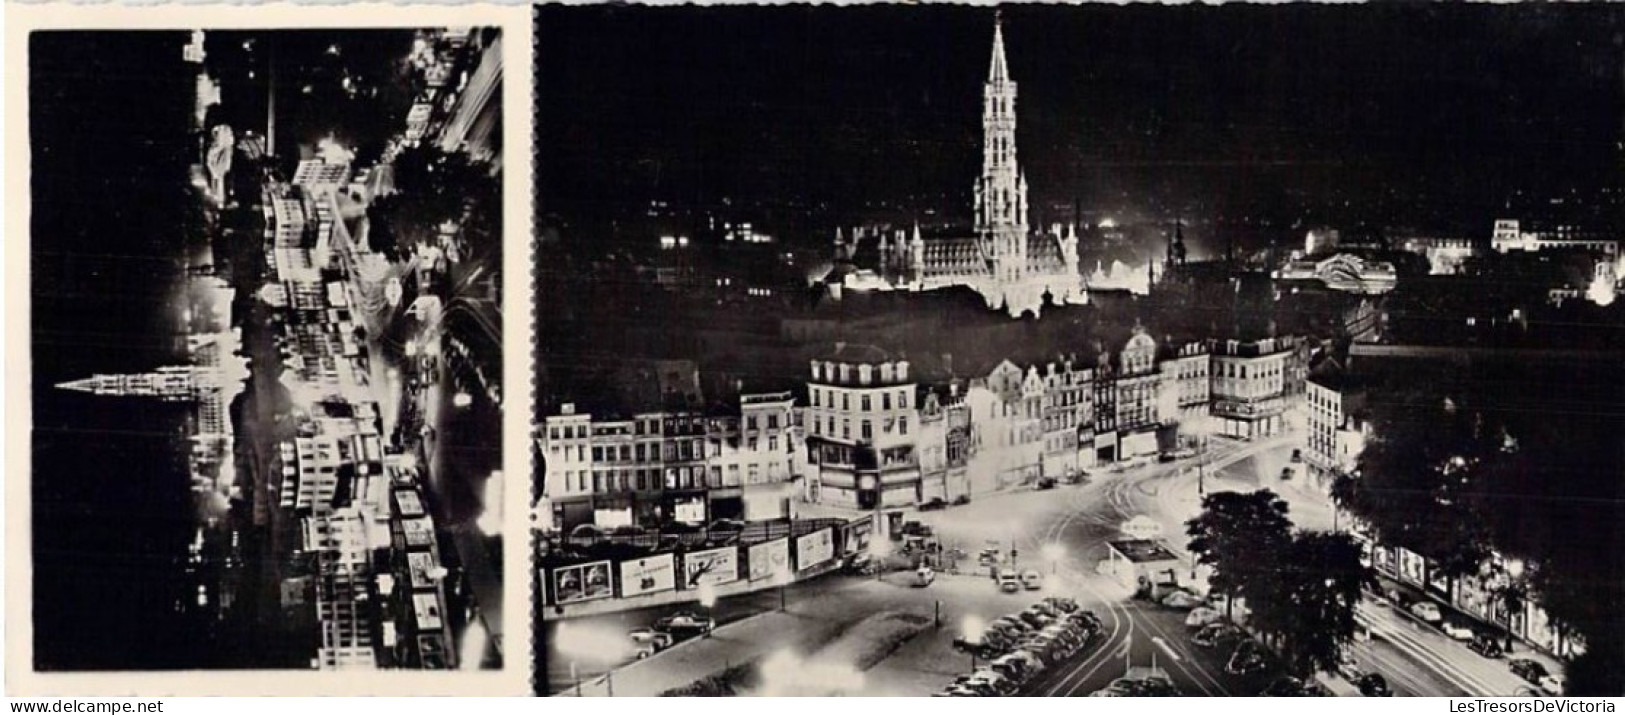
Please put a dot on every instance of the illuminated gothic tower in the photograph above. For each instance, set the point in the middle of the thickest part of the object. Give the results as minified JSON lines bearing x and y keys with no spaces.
{"x":1001,"y":192}
{"x":180,"y":383}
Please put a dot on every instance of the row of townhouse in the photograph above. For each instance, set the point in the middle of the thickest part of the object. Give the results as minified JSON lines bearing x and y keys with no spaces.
{"x":367,"y":561}
{"x":871,"y":432}
{"x":661,"y":466}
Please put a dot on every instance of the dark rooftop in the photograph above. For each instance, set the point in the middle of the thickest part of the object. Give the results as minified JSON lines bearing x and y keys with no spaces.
{"x":1142,"y":551}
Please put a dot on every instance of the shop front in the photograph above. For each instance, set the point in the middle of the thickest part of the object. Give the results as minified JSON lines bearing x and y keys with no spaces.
{"x":688,"y":506}
{"x":727,"y":503}
{"x":1106,"y":447}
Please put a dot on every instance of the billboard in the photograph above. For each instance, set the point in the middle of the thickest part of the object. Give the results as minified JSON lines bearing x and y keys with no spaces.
{"x":648,"y":575}
{"x":768,"y":559}
{"x":714,"y":567}
{"x":815,"y":548}
{"x":582,"y":582}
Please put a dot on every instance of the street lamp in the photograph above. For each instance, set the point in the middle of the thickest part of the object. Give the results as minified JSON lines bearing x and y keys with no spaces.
{"x":972,"y":629}
{"x":594,"y":645}
{"x":708,"y":599}
{"x":782,"y":578}
{"x":879,"y":549}
{"x":1054,"y":552}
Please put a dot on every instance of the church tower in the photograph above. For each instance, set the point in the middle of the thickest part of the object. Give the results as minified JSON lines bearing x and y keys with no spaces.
{"x":1001,"y":191}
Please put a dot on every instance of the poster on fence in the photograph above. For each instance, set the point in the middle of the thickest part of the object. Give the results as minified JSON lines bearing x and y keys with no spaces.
{"x":815,"y":548}
{"x":769,"y":559}
{"x":582,"y":582}
{"x":648,"y":575}
{"x":714,"y":567}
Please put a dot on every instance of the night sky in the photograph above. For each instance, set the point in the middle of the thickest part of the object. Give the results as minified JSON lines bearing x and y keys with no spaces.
{"x":1423,"y":114}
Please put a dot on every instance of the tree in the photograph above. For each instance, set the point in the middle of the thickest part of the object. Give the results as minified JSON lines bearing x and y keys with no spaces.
{"x":1305,"y":599}
{"x":1537,"y":480}
{"x":1236,"y":535}
{"x":434,"y":188}
{"x":1416,"y":479}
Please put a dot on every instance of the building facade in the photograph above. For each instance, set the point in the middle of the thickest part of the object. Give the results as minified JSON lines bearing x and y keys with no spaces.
{"x":1249,"y":387}
{"x":1137,"y":385}
{"x":1186,"y":390}
{"x":862,"y":427}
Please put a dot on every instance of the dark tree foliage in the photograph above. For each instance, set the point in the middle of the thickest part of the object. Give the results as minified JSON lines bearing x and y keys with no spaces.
{"x":1304,"y":600}
{"x":1237,"y":535}
{"x":1524,"y":462}
{"x":432,"y":188}
{"x":1417,"y":477}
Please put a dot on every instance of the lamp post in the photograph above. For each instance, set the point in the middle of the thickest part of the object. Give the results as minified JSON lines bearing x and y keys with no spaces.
{"x":782,"y":578}
{"x":879,"y":549}
{"x":1054,"y":552}
{"x":1201,"y":474}
{"x":708,"y":599}
{"x":972,"y":630}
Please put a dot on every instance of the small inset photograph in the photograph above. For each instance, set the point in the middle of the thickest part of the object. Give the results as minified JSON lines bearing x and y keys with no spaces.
{"x":266,"y":340}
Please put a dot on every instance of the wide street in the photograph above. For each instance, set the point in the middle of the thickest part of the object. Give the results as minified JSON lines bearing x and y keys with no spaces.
{"x":1072,"y":523}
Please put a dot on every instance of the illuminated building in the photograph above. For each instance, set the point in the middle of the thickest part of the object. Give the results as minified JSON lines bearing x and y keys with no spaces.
{"x":1008,"y":264}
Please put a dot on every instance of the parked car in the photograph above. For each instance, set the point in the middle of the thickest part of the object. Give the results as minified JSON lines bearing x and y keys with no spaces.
{"x":1348,"y":668}
{"x":1032,"y":580}
{"x":1014,"y":625}
{"x":1527,"y":669}
{"x":1373,"y":685}
{"x":1216,"y":634}
{"x":1062,"y":604}
{"x":1486,"y":645}
{"x":1045,"y":483}
{"x":1182,"y":600}
{"x":933,"y":504}
{"x":1011,"y":667}
{"x":1009,"y":582}
{"x":1089,"y":618}
{"x":1036,"y":619}
{"x":1283,"y":687}
{"x":586,"y":531}
{"x":727,"y":525}
{"x":1033,"y":663}
{"x":1457,"y":631}
{"x":1147,"y":687}
{"x":1552,"y":684}
{"x":962,"y":500}
{"x":648,"y":641}
{"x":684,"y":621}
{"x":1203,"y":616}
{"x":1427,"y":611}
{"x":1248,"y":658}
{"x":860,"y":563}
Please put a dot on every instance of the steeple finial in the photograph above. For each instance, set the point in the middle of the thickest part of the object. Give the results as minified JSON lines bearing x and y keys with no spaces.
{"x":998,"y":71}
